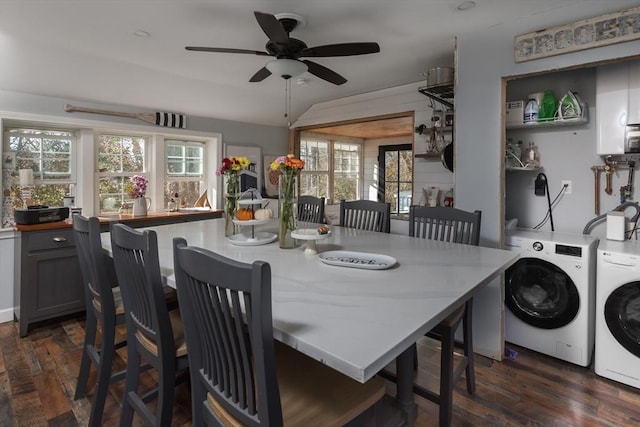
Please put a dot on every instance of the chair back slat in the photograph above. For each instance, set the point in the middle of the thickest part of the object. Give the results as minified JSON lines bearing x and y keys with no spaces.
{"x":226,"y":308}
{"x":135,"y":255}
{"x":93,"y":266}
{"x":445,"y":224}
{"x":311,"y":209}
{"x":366,"y":215}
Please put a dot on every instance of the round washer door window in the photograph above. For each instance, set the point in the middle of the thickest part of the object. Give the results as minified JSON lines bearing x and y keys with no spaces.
{"x":622,"y":314}
{"x":541,"y":294}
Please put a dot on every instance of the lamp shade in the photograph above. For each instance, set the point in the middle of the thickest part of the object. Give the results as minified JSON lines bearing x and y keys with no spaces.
{"x":286,"y":68}
{"x":26,"y":177}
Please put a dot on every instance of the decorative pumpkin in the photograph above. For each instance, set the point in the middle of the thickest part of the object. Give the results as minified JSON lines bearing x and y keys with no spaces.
{"x":264,"y":213}
{"x":244,"y":214}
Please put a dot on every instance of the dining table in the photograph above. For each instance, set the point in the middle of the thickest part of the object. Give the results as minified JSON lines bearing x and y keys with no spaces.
{"x":355,"y":317}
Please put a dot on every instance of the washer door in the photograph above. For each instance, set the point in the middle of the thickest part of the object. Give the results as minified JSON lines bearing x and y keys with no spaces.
{"x":622,"y":314}
{"x":541,"y":294}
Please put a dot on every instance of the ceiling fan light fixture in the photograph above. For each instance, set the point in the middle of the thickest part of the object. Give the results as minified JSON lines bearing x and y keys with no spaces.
{"x":286,"y":68}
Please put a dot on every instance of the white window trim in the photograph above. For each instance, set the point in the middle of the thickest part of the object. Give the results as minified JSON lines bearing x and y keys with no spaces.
{"x":86,"y":180}
{"x":331,"y":140}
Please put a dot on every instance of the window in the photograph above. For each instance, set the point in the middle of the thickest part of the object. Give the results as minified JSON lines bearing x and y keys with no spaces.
{"x":346,"y":171}
{"x":314,"y":178}
{"x":396,"y":179}
{"x":332,"y":167}
{"x":49,"y":153}
{"x":119,"y":158}
{"x":185,"y":170}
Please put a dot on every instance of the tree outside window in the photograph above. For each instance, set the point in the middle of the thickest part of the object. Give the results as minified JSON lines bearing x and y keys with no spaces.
{"x":48,"y":153}
{"x":119,"y":158}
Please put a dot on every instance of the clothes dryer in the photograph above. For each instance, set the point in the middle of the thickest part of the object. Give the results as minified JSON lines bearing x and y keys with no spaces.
{"x":618,"y":312}
{"x":550,"y":294}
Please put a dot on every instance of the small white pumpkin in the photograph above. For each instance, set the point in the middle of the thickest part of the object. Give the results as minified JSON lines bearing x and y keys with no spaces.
{"x":263,"y":213}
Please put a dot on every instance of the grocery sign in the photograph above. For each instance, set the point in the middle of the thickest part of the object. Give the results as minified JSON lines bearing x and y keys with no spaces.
{"x":603,"y":30}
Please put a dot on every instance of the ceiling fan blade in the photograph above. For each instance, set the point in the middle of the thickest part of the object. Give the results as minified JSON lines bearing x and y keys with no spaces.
{"x":262,"y":74}
{"x":325,"y":73}
{"x":342,"y":49}
{"x":272,"y":27}
{"x":226,"y":50}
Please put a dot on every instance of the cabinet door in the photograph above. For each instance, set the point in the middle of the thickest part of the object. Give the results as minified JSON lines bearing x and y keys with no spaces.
{"x":55,"y":280}
{"x":612,"y":102}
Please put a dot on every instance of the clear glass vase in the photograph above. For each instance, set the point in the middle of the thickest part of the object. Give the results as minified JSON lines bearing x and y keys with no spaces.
{"x":231,"y":204}
{"x":288,"y":209}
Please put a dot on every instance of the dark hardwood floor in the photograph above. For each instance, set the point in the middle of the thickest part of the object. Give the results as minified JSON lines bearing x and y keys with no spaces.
{"x":38,"y":378}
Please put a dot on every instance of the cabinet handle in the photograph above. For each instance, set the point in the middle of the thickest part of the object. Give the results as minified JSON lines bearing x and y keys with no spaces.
{"x":60,"y":239}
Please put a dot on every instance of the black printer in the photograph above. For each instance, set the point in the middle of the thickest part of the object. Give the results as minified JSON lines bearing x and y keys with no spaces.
{"x":40,"y":214}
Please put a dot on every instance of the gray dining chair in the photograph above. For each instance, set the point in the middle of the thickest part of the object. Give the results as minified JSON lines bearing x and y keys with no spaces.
{"x":154,"y":333}
{"x":240,"y":376}
{"x":456,"y":226}
{"x":104,"y":310}
{"x":311,"y":209}
{"x":366,"y":215}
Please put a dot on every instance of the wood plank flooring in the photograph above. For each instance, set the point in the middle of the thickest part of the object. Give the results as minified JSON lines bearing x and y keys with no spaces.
{"x":38,"y":378}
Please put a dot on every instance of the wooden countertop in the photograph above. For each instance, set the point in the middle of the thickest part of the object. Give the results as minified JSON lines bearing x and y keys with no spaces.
{"x":128,"y":219}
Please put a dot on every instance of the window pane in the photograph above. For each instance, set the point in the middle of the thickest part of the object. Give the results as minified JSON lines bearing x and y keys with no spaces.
{"x":391,"y":166}
{"x":182,"y":192}
{"x":345,"y":187}
{"x":185,"y":159}
{"x":314,"y":185}
{"x":315,"y":155}
{"x":111,"y":193}
{"x":118,"y":154}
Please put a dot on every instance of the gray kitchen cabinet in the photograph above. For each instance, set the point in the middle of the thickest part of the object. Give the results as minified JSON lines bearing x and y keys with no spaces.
{"x":47,"y":278}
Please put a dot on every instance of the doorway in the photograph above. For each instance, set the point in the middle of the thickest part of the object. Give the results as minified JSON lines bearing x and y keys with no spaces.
{"x":395,"y":181}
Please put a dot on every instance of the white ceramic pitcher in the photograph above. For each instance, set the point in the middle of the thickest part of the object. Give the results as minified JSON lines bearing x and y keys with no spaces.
{"x":141,"y":205}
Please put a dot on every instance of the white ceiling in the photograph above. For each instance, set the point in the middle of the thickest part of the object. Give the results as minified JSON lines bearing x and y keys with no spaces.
{"x":85,"y":50}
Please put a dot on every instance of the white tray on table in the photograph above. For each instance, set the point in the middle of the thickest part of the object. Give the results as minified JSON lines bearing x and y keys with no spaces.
{"x":364,"y":260}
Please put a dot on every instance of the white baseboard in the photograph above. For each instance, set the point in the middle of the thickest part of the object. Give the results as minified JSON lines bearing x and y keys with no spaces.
{"x":6,"y":315}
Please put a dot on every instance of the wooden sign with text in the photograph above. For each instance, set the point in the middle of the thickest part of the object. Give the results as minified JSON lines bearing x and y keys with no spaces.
{"x":593,"y":32}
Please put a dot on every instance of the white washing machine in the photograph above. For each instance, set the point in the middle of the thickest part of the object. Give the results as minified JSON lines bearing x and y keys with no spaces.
{"x":550,"y":294}
{"x":618,"y":312}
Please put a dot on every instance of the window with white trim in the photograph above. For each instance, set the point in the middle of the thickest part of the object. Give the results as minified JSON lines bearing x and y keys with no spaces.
{"x":184,"y":175}
{"x":333,"y":167}
{"x":119,"y":157}
{"x":49,"y":153}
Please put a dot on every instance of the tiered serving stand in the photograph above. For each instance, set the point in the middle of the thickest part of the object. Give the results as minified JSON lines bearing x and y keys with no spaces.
{"x":251,"y":199}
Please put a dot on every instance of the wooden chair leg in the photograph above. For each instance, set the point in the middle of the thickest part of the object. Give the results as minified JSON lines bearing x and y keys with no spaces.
{"x":166,"y":392}
{"x":131,"y":382}
{"x":446,"y":377}
{"x":467,"y":332}
{"x":198,"y":398}
{"x":91,"y":326}
{"x":103,"y":378}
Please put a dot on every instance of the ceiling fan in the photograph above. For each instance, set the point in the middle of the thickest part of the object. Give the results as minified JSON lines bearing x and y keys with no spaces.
{"x":288,"y":50}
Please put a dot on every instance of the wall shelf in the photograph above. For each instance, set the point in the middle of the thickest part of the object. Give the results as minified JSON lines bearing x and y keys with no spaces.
{"x":442,"y":94}
{"x":513,"y":168}
{"x":428,"y":156}
{"x":553,"y":123}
